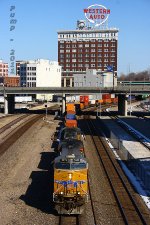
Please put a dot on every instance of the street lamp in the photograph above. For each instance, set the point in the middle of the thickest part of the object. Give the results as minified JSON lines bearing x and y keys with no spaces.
{"x":100,"y":100}
{"x":3,"y":84}
{"x":130,"y":98}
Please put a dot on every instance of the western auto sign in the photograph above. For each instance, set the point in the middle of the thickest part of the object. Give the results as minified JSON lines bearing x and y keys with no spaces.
{"x":97,"y":14}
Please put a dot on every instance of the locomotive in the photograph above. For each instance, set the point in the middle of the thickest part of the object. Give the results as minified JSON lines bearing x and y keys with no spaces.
{"x":70,"y":180}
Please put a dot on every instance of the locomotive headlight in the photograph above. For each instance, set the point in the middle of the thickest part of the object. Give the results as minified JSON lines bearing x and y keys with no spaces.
{"x":78,"y":192}
{"x":70,"y":176}
{"x":61,"y":192}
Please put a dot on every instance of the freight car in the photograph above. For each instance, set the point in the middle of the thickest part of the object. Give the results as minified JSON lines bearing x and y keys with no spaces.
{"x":70,"y":133}
{"x":70,"y":182}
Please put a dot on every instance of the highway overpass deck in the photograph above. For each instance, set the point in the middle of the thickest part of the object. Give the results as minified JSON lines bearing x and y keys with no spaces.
{"x":120,"y":89}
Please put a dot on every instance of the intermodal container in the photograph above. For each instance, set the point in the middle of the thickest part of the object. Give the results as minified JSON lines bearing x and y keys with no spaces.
{"x":100,"y":101}
{"x":107,"y":100}
{"x":86,"y":103}
{"x":86,"y":98}
{"x":70,"y":116}
{"x":71,"y":123}
{"x":106,"y":96}
{"x":114,"y":100}
{"x":81,"y":106}
{"x":70,"y":107}
{"x":81,"y":98}
{"x":71,"y":112}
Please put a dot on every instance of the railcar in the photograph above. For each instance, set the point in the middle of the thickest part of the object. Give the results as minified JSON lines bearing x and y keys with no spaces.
{"x":70,"y":182}
{"x":67,"y":133}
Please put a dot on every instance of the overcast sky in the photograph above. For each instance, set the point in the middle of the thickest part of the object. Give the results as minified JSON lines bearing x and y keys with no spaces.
{"x":35,"y":33}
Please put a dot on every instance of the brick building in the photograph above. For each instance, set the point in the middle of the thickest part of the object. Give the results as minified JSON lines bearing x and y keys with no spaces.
{"x":3,"y":69}
{"x":84,"y":48}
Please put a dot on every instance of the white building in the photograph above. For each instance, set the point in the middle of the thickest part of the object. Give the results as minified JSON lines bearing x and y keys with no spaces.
{"x":40,"y":73}
{"x":95,"y":78}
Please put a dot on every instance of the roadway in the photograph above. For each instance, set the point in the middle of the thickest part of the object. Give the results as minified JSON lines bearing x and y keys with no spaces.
{"x":120,"y":89}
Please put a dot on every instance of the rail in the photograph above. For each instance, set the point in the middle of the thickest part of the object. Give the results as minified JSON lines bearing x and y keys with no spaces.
{"x":17,"y":132}
{"x":122,"y":191}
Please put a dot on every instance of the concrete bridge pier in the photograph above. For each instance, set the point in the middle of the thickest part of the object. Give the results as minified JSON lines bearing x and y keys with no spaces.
{"x":122,"y":104}
{"x":9,"y":104}
{"x":63,"y":103}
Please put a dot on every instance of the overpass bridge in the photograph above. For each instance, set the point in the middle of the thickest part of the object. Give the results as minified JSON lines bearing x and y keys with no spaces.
{"x":121,"y":90}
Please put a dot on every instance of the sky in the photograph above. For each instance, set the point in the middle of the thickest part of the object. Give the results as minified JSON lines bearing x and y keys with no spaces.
{"x":35,"y":33}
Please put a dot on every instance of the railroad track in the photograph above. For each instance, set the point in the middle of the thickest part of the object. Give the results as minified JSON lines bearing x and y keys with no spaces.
{"x":17,"y":132}
{"x":124,"y":194}
{"x":8,"y":125}
{"x":69,"y":220}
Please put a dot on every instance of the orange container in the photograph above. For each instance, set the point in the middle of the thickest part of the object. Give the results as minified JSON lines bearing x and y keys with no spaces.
{"x":70,"y":107}
{"x":71,"y":112}
{"x":100,"y":100}
{"x":86,"y":103}
{"x":81,"y":106}
{"x":107,"y":100}
{"x":71,"y":123}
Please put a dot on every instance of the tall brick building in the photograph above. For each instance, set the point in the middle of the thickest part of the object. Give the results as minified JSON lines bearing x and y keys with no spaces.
{"x":88,"y":47}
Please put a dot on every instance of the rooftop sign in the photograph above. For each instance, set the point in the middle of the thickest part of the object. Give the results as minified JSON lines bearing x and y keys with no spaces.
{"x":97,"y":14}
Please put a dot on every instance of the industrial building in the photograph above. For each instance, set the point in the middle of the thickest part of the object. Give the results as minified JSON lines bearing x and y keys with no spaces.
{"x":95,"y":78}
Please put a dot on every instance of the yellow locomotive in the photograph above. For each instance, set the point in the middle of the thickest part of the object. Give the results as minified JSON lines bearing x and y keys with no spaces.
{"x":70,"y":181}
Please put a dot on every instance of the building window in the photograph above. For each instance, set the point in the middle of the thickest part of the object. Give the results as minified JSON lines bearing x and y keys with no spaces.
{"x":74,"y":55}
{"x":79,"y":55}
